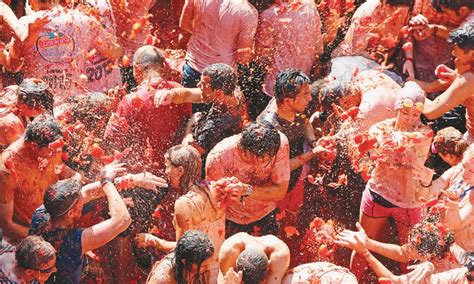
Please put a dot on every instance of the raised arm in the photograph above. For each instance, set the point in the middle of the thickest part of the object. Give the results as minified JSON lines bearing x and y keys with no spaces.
{"x":178,"y":96}
{"x":459,"y":91}
{"x":102,"y":233}
{"x":186,"y":22}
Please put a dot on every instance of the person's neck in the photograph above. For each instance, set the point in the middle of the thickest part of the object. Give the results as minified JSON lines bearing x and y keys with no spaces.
{"x":286,"y":113}
{"x":61,"y":223}
{"x":403,"y":127}
{"x":463,"y":68}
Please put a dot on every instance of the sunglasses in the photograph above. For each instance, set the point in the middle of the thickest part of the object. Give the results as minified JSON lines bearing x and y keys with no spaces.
{"x":408,"y":104}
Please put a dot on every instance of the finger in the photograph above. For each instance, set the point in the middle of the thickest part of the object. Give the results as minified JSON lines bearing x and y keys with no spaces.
{"x":360,"y":228}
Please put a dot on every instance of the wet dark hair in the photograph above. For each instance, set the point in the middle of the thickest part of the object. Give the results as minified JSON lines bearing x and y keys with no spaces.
{"x":194,"y":247}
{"x":148,"y":57}
{"x":254,"y":265}
{"x":331,"y":93}
{"x":467,"y":260}
{"x":428,"y":238}
{"x":43,"y":130}
{"x":61,"y":197}
{"x":35,"y":93}
{"x":260,"y":139}
{"x":407,"y":3}
{"x":451,"y":4}
{"x":90,"y":109}
{"x":463,"y":37}
{"x":33,"y":251}
{"x":223,"y":77}
{"x":288,"y":84}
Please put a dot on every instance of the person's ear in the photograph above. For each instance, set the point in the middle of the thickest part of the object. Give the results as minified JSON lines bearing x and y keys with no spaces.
{"x":30,"y":273}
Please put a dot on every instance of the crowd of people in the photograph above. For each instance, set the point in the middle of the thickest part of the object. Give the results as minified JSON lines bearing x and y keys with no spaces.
{"x":237,"y":141}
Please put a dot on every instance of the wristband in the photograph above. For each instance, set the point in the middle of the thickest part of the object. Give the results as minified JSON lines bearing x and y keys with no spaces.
{"x":365,"y":254}
{"x":409,"y":59}
{"x":105,"y":181}
{"x":426,"y":186}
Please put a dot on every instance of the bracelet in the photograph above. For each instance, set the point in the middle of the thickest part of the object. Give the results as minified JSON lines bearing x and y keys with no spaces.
{"x":409,"y":59}
{"x":105,"y":181}
{"x":426,"y":186}
{"x":365,"y":254}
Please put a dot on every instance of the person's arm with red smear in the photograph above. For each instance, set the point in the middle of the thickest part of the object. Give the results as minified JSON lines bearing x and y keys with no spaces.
{"x":10,"y":229}
{"x":245,"y":41}
{"x":459,"y":91}
{"x":186,"y":22}
{"x":105,"y":231}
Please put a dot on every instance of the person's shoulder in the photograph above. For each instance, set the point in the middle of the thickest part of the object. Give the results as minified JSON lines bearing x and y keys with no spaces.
{"x":226,"y":145}
{"x":162,"y":272}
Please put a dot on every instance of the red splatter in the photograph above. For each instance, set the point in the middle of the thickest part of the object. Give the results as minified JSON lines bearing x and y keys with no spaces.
{"x":432,"y":202}
{"x":125,"y":61}
{"x":355,"y":73}
{"x":157,"y":213}
{"x":311,"y":179}
{"x":291,"y":231}
{"x":342,"y":180}
{"x":136,"y":101}
{"x":97,"y":151}
{"x":155,"y":230}
{"x":407,"y":46}
{"x":57,"y":145}
{"x":280,"y":216}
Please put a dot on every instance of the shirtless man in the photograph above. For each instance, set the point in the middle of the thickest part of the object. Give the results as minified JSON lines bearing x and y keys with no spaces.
{"x":251,"y":260}
{"x":27,"y":168}
{"x":319,"y":272}
{"x":32,"y":260}
{"x":72,"y":52}
{"x":30,"y":99}
{"x":459,"y":82}
{"x":391,"y":192}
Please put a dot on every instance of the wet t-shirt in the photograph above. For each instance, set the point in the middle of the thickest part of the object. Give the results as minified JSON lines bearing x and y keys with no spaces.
{"x":64,"y":54}
{"x":225,"y":160}
{"x":220,"y":27}
{"x":294,"y":35}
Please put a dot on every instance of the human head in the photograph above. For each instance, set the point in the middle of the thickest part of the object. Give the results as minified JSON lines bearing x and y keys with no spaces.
{"x":38,"y":5}
{"x":42,"y":131}
{"x":34,"y":97}
{"x":450,"y":145}
{"x":463,"y":40}
{"x":431,"y":238}
{"x":260,"y":140}
{"x":467,"y":260}
{"x":35,"y":258}
{"x":406,"y":3}
{"x":338,"y":93}
{"x":409,"y":104}
{"x":218,"y":80}
{"x":147,"y":59}
{"x":63,"y":201}
{"x":93,"y":110}
{"x":254,"y":266}
{"x":457,"y":10}
{"x":468,"y":165}
{"x":292,"y":90}
{"x":192,"y":249}
{"x":183,"y":166}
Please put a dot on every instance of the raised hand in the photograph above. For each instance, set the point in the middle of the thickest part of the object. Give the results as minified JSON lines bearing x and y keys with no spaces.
{"x":232,"y":277}
{"x":353,"y":240}
{"x":111,"y":170}
{"x":163,"y":97}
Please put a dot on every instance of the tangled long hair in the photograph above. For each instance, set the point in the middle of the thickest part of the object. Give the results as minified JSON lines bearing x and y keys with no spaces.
{"x":189,"y":158}
{"x":194,"y":247}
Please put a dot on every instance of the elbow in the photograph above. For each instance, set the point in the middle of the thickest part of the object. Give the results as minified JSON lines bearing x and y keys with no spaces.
{"x":123,"y":222}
